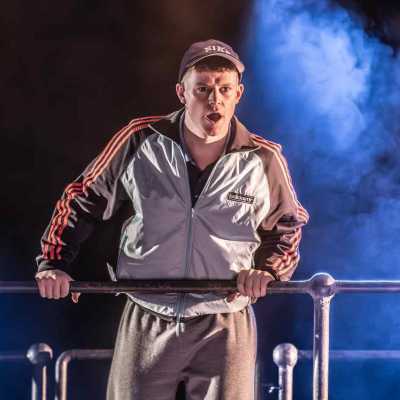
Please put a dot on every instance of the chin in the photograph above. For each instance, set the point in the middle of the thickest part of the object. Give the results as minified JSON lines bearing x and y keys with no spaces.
{"x":213,"y":131}
{"x":216,"y":130}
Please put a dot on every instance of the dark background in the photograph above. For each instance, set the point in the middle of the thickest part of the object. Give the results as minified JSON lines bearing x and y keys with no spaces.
{"x":73,"y":73}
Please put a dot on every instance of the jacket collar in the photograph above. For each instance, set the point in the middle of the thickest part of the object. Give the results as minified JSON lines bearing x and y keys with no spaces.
{"x":240,"y":141}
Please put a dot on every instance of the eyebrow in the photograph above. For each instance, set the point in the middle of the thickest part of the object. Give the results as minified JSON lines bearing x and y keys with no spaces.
{"x":220,"y":84}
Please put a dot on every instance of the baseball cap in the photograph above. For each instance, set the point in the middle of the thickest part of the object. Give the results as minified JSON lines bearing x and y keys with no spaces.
{"x":209,"y":48}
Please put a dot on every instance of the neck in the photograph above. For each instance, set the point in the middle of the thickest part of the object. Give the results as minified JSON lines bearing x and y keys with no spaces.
{"x":202,"y":151}
{"x":201,"y":141}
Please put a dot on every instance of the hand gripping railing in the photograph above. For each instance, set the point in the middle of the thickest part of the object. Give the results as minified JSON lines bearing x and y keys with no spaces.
{"x":321,"y":287}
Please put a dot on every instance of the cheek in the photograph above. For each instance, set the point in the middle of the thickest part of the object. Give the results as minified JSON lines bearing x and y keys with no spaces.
{"x":231,"y":105}
{"x":195,"y":106}
{"x":195,"y":110}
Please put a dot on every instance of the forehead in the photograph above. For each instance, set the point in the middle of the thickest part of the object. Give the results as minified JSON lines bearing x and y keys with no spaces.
{"x":211,"y":76}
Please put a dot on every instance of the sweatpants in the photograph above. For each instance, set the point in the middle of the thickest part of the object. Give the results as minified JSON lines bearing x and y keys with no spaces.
{"x":214,"y":355}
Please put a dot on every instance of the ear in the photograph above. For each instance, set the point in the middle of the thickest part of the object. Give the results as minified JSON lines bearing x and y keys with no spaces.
{"x":239,"y":92}
{"x":180,"y":90}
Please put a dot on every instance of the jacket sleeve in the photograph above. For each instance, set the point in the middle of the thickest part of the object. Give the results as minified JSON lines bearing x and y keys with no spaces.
{"x":280,"y":231}
{"x":94,"y":196}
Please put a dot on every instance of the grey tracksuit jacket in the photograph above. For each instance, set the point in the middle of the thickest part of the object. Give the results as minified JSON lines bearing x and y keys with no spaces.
{"x":247,"y":215}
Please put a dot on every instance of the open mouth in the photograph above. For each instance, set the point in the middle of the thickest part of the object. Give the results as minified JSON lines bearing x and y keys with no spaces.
{"x":214,"y":116}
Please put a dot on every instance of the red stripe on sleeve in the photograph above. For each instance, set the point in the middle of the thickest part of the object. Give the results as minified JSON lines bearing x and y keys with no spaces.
{"x":58,"y":223}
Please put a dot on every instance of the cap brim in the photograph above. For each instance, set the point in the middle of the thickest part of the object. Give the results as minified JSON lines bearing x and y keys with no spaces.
{"x":239,"y":66}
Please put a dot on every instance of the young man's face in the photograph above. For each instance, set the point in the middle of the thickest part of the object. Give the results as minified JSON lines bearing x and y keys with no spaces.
{"x":210,"y":99}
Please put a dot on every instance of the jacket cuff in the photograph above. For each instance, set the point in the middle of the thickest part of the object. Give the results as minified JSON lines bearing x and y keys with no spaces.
{"x":45,"y":265}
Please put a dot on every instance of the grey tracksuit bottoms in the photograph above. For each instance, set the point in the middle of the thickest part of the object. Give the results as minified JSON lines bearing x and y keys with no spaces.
{"x":214,"y":355}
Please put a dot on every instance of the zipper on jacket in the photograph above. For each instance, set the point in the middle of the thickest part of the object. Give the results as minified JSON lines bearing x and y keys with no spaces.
{"x":181,"y":296}
{"x":191,"y":212}
{"x":188,"y":256}
{"x":188,"y":252}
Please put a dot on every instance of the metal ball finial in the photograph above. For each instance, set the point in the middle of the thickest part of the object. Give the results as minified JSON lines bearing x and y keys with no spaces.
{"x":285,"y":355}
{"x":39,"y":353}
{"x":322,"y":285}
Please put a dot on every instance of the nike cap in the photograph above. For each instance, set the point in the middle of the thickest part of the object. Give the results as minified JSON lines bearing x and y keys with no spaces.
{"x":210,"y":48}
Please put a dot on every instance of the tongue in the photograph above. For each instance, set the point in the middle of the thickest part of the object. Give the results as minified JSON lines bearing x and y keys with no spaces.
{"x":214,"y":117}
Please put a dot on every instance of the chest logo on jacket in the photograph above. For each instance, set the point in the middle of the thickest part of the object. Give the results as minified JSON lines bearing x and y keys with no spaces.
{"x":241,"y":198}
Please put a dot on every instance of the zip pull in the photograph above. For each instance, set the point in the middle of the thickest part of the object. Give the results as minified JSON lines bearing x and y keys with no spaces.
{"x":178,"y":324}
{"x":111,"y":272}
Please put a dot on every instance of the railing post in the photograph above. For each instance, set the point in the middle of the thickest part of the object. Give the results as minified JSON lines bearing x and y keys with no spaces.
{"x":62,"y":375}
{"x":257,"y":381}
{"x":39,"y":354}
{"x":285,"y":357}
{"x":322,"y":289}
{"x":61,"y":370}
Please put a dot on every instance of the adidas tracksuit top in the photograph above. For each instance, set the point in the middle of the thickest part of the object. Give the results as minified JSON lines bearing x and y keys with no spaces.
{"x":246,"y":216}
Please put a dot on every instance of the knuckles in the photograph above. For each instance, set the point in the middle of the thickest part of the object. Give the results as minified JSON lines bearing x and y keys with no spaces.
{"x":51,"y":288}
{"x":253,"y":283}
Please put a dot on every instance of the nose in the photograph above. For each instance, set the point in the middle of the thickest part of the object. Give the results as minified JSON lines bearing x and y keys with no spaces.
{"x":214,"y":97}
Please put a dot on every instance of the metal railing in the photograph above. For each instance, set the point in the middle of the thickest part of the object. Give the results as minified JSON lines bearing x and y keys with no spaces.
{"x":61,"y":369}
{"x":39,"y":355}
{"x":62,"y":363}
{"x":321,"y":287}
{"x":286,"y":356}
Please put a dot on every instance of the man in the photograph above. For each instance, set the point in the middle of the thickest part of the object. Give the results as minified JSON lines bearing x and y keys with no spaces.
{"x":211,"y":201}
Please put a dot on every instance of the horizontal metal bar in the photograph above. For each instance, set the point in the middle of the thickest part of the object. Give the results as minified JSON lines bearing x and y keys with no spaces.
{"x":181,"y":285}
{"x":62,"y":363}
{"x":354,"y":355}
{"x":320,"y":285}
{"x":367,"y":286}
{"x":154,"y":286}
{"x":13,"y":356}
{"x":87,"y":354}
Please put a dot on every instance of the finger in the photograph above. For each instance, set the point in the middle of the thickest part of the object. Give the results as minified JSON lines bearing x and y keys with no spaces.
{"x":64,"y":288}
{"x":264,"y":285}
{"x":241,"y":279}
{"x":249,"y":284}
{"x":232,"y":296}
{"x":75,"y":296}
{"x":56,"y":288}
{"x":50,"y":275}
{"x":41,"y":287}
{"x":47,"y":280}
{"x":258,"y":285}
{"x":229,"y":297}
{"x":48,"y":288}
{"x":253,"y":300}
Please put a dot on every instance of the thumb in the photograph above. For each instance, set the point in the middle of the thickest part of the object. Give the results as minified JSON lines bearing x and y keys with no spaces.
{"x":232,"y":296}
{"x":75,"y":296}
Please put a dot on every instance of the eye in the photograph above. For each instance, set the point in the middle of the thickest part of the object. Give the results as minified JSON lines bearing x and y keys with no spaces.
{"x":202,"y":89}
{"x":226,"y":89}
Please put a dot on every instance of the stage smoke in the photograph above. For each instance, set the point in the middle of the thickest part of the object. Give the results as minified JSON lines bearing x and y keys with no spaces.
{"x":317,"y":83}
